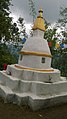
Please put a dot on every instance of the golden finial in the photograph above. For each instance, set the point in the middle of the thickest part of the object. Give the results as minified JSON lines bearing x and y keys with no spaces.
{"x":39,"y":22}
{"x":41,"y":13}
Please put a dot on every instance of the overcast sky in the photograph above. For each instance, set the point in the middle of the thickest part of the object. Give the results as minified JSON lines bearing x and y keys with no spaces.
{"x":50,"y":8}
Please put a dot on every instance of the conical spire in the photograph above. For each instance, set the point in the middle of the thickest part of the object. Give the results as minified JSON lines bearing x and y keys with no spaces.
{"x":39,"y":22}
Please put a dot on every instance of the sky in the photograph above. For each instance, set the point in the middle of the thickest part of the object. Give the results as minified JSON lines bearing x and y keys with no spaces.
{"x":50,"y":8}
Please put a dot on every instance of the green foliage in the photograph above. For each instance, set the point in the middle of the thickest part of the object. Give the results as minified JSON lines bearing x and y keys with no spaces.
{"x":63,"y":22}
{"x":63,"y":14}
{"x":59,"y":56}
{"x":8,"y":29}
{"x":5,"y":56}
{"x":32,"y":9}
{"x":63,"y":52}
{"x":48,"y":35}
{"x":14,"y":32}
{"x":5,"y":20}
{"x":59,"y":61}
{"x":63,"y":64}
{"x":21,"y":24}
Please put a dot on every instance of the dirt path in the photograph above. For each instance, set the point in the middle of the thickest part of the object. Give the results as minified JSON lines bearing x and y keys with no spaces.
{"x":12,"y":111}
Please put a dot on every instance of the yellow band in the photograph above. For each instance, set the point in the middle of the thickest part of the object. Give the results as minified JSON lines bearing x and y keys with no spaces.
{"x":34,"y":69}
{"x":35,"y":53}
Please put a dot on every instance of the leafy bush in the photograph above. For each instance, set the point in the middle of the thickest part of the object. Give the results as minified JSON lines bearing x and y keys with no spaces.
{"x":6,"y":56}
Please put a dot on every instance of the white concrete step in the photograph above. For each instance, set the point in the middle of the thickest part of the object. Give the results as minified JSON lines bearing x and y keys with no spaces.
{"x":6,"y":93}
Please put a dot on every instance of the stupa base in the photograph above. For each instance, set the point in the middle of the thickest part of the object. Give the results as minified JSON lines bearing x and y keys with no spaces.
{"x":36,"y":94}
{"x":33,"y":74}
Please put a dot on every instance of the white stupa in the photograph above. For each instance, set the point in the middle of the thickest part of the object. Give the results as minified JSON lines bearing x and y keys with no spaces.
{"x":35,"y":55}
{"x":33,"y":81}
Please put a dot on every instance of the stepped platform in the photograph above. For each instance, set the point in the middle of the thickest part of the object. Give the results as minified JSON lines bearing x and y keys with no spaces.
{"x":36,"y":94}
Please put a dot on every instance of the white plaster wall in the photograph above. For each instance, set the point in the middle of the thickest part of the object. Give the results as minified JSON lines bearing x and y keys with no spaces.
{"x":2,"y":78}
{"x":47,"y":101}
{"x":33,"y":75}
{"x":44,"y":76}
{"x":35,"y":62}
{"x":36,"y":86}
{"x":15,"y":72}
{"x":28,"y":75}
{"x":12,"y":83}
{"x":25,"y":86}
{"x":38,"y":33}
{"x":57,"y":88}
{"x":36,"y":44}
{"x":9,"y":81}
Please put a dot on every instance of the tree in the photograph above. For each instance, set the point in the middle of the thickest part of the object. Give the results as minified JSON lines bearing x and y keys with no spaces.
{"x":59,"y":59}
{"x":58,"y":55}
{"x":21,"y":24}
{"x":32,"y":9}
{"x":6,"y":56}
{"x":63,"y":22}
{"x":14,"y":32}
{"x":5,"y":20}
{"x":49,"y":36}
{"x":63,"y":15}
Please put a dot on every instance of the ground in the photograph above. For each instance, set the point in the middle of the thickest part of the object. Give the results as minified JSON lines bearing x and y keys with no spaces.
{"x":13,"y":111}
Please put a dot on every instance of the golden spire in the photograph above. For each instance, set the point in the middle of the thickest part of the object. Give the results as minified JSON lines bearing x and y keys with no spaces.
{"x":39,"y":22}
{"x":41,"y":13}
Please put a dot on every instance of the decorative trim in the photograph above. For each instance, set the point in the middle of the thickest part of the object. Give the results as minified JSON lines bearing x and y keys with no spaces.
{"x":33,"y":69}
{"x":35,"y":53}
{"x":35,"y":28}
